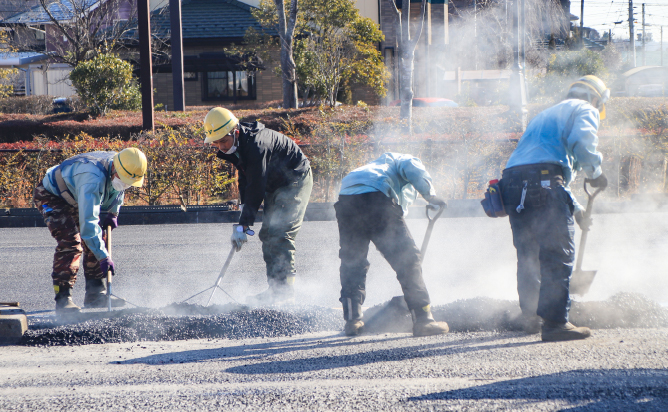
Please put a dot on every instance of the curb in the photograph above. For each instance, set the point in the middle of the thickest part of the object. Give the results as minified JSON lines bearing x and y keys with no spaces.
{"x":158,"y":215}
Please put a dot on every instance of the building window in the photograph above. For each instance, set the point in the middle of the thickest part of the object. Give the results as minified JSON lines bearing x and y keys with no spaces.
{"x":228,"y":85}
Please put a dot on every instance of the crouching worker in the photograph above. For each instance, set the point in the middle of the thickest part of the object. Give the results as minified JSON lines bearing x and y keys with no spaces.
{"x":371,"y":207}
{"x":70,"y":199}
{"x":535,"y":186}
{"x":272,"y":169}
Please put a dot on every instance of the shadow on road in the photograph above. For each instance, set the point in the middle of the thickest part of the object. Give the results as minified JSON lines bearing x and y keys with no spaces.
{"x":593,"y":389}
{"x":253,"y":352}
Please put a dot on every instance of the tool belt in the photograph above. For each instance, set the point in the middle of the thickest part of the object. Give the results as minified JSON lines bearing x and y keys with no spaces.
{"x":526,"y":186}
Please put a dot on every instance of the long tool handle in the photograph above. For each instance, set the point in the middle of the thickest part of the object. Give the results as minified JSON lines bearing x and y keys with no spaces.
{"x":587,"y":215}
{"x":109,"y":276}
{"x":430,"y":227}
{"x":222,"y":273}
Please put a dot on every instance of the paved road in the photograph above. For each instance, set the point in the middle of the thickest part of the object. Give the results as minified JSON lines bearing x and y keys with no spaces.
{"x":467,"y":257}
{"x":620,"y":369}
{"x":616,"y":370}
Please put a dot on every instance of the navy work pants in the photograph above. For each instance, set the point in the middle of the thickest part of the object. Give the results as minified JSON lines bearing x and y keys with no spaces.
{"x":543,"y":236}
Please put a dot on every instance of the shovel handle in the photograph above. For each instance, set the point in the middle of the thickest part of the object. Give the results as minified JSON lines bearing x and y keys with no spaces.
{"x":109,"y":276}
{"x":430,"y":226}
{"x":587,"y":213}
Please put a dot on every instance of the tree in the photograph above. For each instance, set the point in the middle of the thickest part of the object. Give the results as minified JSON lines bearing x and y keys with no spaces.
{"x":333,"y":45}
{"x":105,"y":82}
{"x":6,"y":86}
{"x":286,"y":34}
{"x":90,"y":26}
{"x":406,"y":54}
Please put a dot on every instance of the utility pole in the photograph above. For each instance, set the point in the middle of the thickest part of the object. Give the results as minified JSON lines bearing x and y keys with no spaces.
{"x":146,"y":64}
{"x":582,"y":12}
{"x":632,"y":35}
{"x":176,"y":42}
{"x":644,"y":48}
{"x":517,"y":85}
{"x":661,"y":45}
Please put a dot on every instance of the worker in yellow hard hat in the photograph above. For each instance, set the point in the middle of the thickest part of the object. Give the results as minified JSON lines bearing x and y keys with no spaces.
{"x":272,"y":170}
{"x":71,"y":197}
{"x":559,"y":142}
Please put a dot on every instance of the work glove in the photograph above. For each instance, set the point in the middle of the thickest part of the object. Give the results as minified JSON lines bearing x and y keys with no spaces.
{"x":239,"y":236}
{"x":435,"y":200}
{"x":110,"y":220}
{"x":601,"y":181}
{"x":583,"y":221}
{"x":107,"y":264}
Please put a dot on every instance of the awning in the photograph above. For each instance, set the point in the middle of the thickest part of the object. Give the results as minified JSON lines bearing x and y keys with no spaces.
{"x":10,"y":59}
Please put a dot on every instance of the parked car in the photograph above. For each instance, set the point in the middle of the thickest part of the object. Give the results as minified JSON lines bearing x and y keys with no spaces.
{"x":61,"y":105}
{"x":428,"y":102}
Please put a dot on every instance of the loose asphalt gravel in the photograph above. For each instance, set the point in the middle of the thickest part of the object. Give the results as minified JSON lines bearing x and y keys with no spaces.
{"x":168,"y":356}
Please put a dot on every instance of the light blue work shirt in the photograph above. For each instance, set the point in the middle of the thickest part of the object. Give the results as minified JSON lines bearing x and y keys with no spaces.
{"x":93,"y":192}
{"x":396,"y":175}
{"x":566,"y":135}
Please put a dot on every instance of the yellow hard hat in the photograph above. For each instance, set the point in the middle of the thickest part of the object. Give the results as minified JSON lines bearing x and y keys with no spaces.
{"x":592,"y":83}
{"x":130,"y":164}
{"x":218,"y":123}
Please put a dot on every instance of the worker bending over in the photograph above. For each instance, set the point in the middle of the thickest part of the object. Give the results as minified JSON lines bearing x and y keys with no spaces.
{"x":70,"y":198}
{"x":557,"y":143}
{"x":272,"y":169}
{"x":371,"y":207}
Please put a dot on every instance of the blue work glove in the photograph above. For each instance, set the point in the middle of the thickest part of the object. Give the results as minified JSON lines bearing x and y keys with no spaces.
{"x":239,"y":236}
{"x":107,"y":264}
{"x":110,"y":220}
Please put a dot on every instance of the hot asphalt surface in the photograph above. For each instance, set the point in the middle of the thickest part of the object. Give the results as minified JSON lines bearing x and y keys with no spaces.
{"x":304,"y":363}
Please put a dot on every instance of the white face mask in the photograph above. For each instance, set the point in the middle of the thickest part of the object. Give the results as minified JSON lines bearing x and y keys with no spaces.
{"x":234,"y":146}
{"x":119,"y":185}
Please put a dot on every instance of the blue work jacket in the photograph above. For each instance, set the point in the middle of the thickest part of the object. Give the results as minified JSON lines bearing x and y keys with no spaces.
{"x":565,"y":134}
{"x":93,"y":192}
{"x":396,"y":175}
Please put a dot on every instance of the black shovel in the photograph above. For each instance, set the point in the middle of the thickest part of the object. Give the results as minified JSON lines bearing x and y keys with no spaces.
{"x":581,"y":280}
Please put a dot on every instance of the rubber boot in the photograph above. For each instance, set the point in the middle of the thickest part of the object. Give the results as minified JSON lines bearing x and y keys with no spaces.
{"x":96,"y":295}
{"x":64,"y":302}
{"x":424,"y":323}
{"x":352,"y":313}
{"x":278,"y":293}
{"x":556,"y":332}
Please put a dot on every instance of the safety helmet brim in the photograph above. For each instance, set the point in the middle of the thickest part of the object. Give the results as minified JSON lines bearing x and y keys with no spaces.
{"x":218,"y":123}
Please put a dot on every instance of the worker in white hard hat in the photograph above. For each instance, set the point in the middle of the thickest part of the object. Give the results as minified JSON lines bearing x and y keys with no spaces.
{"x":557,"y":143}
{"x":271,"y":169}
{"x":70,"y":198}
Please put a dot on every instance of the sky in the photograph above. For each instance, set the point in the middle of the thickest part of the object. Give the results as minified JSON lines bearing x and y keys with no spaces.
{"x":601,"y":15}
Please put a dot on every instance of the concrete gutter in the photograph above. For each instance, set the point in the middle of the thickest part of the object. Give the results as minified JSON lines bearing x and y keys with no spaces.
{"x":152,"y":215}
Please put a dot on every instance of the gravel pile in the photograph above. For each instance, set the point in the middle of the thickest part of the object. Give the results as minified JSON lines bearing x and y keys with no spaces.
{"x":186,"y":321}
{"x":178,"y":322}
{"x":624,"y":310}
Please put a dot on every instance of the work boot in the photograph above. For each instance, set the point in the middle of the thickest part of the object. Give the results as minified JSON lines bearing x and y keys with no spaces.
{"x":352,"y":313}
{"x":425,"y":325}
{"x":531,"y":324}
{"x":64,"y":302}
{"x":96,"y":296}
{"x":555,"y":332}
{"x":279,"y":293}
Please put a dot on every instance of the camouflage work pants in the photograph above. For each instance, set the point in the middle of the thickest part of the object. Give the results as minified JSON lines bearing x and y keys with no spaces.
{"x":62,"y":219}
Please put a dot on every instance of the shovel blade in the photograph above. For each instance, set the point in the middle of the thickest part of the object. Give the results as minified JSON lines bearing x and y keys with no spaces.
{"x":581,"y":280}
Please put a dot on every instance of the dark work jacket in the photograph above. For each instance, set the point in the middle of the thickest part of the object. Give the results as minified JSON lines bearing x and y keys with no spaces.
{"x":266,"y":160}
